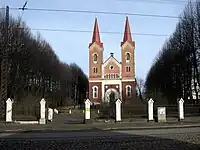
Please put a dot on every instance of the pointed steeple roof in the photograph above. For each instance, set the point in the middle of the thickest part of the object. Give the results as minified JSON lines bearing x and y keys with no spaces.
{"x":127,"y":33}
{"x":96,"y":34}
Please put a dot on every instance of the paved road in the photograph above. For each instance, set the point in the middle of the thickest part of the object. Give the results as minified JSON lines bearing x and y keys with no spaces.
{"x":188,"y":138}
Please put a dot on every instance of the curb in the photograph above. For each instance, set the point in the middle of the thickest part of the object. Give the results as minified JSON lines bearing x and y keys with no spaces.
{"x":152,"y":127}
{"x":101,"y":129}
{"x":50,"y":130}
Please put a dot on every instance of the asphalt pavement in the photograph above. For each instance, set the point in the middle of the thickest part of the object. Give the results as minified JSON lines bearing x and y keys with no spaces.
{"x":163,"y":139}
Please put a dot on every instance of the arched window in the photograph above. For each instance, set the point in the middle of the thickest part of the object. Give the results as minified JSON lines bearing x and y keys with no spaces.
{"x":95,"y":92}
{"x":128,"y":68}
{"x":128,"y":57}
{"x":95,"y":70}
{"x":95,"y":57}
{"x":128,"y":91}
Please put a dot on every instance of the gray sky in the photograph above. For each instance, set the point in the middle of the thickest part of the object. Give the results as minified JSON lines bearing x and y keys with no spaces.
{"x":73,"y":47}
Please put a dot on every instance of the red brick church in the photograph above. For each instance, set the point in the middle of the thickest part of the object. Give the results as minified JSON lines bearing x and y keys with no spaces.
{"x":111,"y":75}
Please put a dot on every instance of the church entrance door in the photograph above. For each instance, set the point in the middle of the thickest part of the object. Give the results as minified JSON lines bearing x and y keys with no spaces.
{"x":111,"y":95}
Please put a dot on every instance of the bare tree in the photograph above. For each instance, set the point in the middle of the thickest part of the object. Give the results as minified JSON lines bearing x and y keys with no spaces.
{"x":34,"y":68}
{"x":140,"y":87}
{"x":175,"y":71}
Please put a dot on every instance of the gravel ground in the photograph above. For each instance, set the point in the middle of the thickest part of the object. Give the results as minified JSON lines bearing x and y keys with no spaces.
{"x":133,"y":142}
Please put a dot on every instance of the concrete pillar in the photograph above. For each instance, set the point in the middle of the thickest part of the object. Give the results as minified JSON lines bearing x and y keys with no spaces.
{"x":9,"y":103}
{"x":118,"y":110}
{"x":150,"y":109}
{"x":87,"y":111}
{"x":181,"y":109}
{"x":42,"y":111}
{"x":50,"y":114}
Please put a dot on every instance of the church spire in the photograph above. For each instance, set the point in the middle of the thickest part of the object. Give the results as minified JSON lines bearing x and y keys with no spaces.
{"x":96,"y":35}
{"x":127,"y":32}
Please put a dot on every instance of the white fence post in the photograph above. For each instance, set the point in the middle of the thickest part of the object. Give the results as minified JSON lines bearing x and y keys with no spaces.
{"x":118,"y":110}
{"x":55,"y":111}
{"x":87,"y":111}
{"x":181,"y":109}
{"x":42,"y":111}
{"x":9,"y":103}
{"x":150,"y":109}
{"x":70,"y":111}
{"x":50,"y":114}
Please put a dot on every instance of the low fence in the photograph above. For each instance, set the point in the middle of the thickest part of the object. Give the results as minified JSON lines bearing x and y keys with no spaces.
{"x":172,"y":110}
{"x":134,"y":111}
{"x":26,"y":112}
{"x":127,"y":111}
{"x":103,"y":112}
{"x":141,"y":112}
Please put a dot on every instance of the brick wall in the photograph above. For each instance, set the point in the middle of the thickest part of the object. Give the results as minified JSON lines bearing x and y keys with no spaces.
{"x":98,"y":84}
{"x":133,"y":91}
{"x":99,"y":52}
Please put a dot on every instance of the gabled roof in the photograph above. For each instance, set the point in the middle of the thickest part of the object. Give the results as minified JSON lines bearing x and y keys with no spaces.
{"x":112,"y":58}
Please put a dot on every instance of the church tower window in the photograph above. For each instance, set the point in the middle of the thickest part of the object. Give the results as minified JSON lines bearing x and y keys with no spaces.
{"x":95,"y":58}
{"x":128,"y":68}
{"x":95,"y":70}
{"x":128,"y":57}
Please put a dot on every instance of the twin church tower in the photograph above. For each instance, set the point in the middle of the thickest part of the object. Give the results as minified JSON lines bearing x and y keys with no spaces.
{"x":111,"y":75}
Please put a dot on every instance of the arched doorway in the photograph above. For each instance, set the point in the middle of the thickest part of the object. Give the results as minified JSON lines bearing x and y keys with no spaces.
{"x":111,"y":95}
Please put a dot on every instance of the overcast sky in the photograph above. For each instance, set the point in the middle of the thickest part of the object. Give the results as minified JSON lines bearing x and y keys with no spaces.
{"x":73,"y":47}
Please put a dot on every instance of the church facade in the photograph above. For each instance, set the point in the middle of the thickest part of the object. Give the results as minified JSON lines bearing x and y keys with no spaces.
{"x":111,"y":75}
